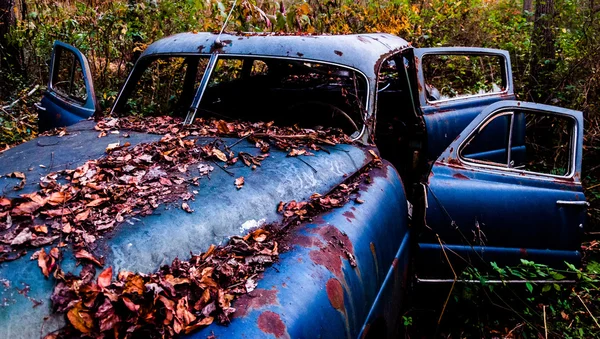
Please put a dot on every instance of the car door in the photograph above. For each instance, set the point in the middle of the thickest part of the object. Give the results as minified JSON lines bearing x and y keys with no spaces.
{"x":70,"y":95}
{"x":455,"y":84}
{"x":524,"y":202}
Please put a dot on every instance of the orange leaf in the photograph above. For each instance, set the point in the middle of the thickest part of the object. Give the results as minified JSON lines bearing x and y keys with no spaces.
{"x":80,"y":319}
{"x":105,"y":277}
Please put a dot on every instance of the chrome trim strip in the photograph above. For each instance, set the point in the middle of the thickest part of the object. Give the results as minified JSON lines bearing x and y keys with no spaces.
{"x":572,"y":203}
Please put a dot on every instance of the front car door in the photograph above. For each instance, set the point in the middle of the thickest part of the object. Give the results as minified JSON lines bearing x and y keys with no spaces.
{"x":455,"y":85}
{"x":70,"y":95}
{"x":522,"y":200}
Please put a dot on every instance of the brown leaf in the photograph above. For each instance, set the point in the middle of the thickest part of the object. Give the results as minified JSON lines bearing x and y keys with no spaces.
{"x":260,"y":235}
{"x":83,"y":254}
{"x":219,"y":155}
{"x":130,"y":304}
{"x":239,"y":182}
{"x":18,"y":175}
{"x":105,"y":277}
{"x":58,"y":198}
{"x":67,"y":228}
{"x":165,"y":181}
{"x":80,"y":319}
{"x":134,"y":284}
{"x":23,"y":237}
{"x":26,"y":208}
{"x":41,"y":229}
{"x":83,"y":215}
{"x":183,"y":312}
{"x":5,"y":202}
{"x":96,"y":202}
{"x":45,"y":262}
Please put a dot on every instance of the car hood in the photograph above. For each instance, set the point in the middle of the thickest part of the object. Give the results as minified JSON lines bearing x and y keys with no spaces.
{"x":143,"y":244}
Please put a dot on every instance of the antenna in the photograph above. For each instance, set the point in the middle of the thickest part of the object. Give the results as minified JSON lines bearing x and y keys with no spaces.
{"x":218,"y":40}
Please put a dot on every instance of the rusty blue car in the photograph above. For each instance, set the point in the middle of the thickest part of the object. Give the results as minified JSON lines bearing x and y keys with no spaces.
{"x":470,"y":175}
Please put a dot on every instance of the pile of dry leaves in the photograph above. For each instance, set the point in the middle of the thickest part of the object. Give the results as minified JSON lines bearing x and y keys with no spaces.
{"x":77,"y":206}
{"x":295,"y":140}
{"x":185,"y":295}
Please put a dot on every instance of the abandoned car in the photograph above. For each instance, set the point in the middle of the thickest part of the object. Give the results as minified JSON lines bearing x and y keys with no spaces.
{"x":427,"y":161}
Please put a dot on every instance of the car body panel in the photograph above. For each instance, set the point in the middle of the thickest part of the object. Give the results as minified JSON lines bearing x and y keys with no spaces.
{"x":519,"y":212}
{"x":313,"y":291}
{"x":57,"y":110}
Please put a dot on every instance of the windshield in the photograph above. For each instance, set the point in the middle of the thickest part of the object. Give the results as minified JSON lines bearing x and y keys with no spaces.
{"x":286,"y":91}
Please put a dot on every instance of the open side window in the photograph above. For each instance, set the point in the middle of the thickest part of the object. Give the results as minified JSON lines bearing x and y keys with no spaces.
{"x":530,"y":141}
{"x":509,"y":187}
{"x":455,"y":84}
{"x":70,"y":95}
{"x":458,"y":73}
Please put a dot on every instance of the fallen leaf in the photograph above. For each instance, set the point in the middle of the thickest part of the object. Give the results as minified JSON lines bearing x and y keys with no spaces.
{"x":83,"y":215}
{"x":23,"y":237}
{"x":219,"y":155}
{"x":41,"y":229}
{"x":44,"y":262}
{"x":18,"y":175}
{"x":105,"y":277}
{"x":96,"y":202}
{"x":80,"y":319}
{"x":83,"y":254}
{"x":186,"y":207}
{"x":26,"y":208}
{"x":58,"y":198}
{"x":239,"y":182}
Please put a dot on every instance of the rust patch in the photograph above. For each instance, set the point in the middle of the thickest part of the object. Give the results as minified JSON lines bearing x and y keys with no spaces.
{"x":270,"y":322}
{"x":338,"y":53}
{"x":328,"y":258}
{"x":335,"y":293}
{"x":460,"y":176}
{"x":306,"y":241}
{"x":333,"y":234}
{"x":349,"y":216}
{"x":254,"y":300}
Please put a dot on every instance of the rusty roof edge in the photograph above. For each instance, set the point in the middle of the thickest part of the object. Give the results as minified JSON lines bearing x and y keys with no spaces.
{"x":360,"y":51}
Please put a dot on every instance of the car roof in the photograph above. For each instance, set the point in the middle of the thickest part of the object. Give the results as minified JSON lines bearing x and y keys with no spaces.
{"x":361,"y":51}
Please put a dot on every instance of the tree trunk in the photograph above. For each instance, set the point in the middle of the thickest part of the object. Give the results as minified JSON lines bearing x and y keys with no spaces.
{"x":528,"y":8}
{"x":542,"y":48}
{"x":9,"y":54}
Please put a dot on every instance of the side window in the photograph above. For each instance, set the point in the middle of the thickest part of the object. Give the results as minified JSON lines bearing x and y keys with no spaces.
{"x":451,"y":76}
{"x":68,"y":80}
{"x":167,"y":86}
{"x":530,"y":141}
{"x":490,"y":144}
{"x":547,"y":144}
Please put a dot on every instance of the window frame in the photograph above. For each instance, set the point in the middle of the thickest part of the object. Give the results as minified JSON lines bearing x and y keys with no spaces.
{"x":498,"y":167}
{"x":81,"y":102}
{"x":505,"y":77}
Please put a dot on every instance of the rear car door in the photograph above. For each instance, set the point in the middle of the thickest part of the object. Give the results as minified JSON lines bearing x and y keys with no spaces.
{"x":455,"y":84}
{"x":525,"y":201}
{"x":70,"y":95}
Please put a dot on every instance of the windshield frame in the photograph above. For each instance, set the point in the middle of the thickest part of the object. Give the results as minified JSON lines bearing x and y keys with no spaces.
{"x":139,"y":68}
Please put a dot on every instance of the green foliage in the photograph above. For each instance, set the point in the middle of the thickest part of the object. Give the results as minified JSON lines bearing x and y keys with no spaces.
{"x":517,"y":309}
